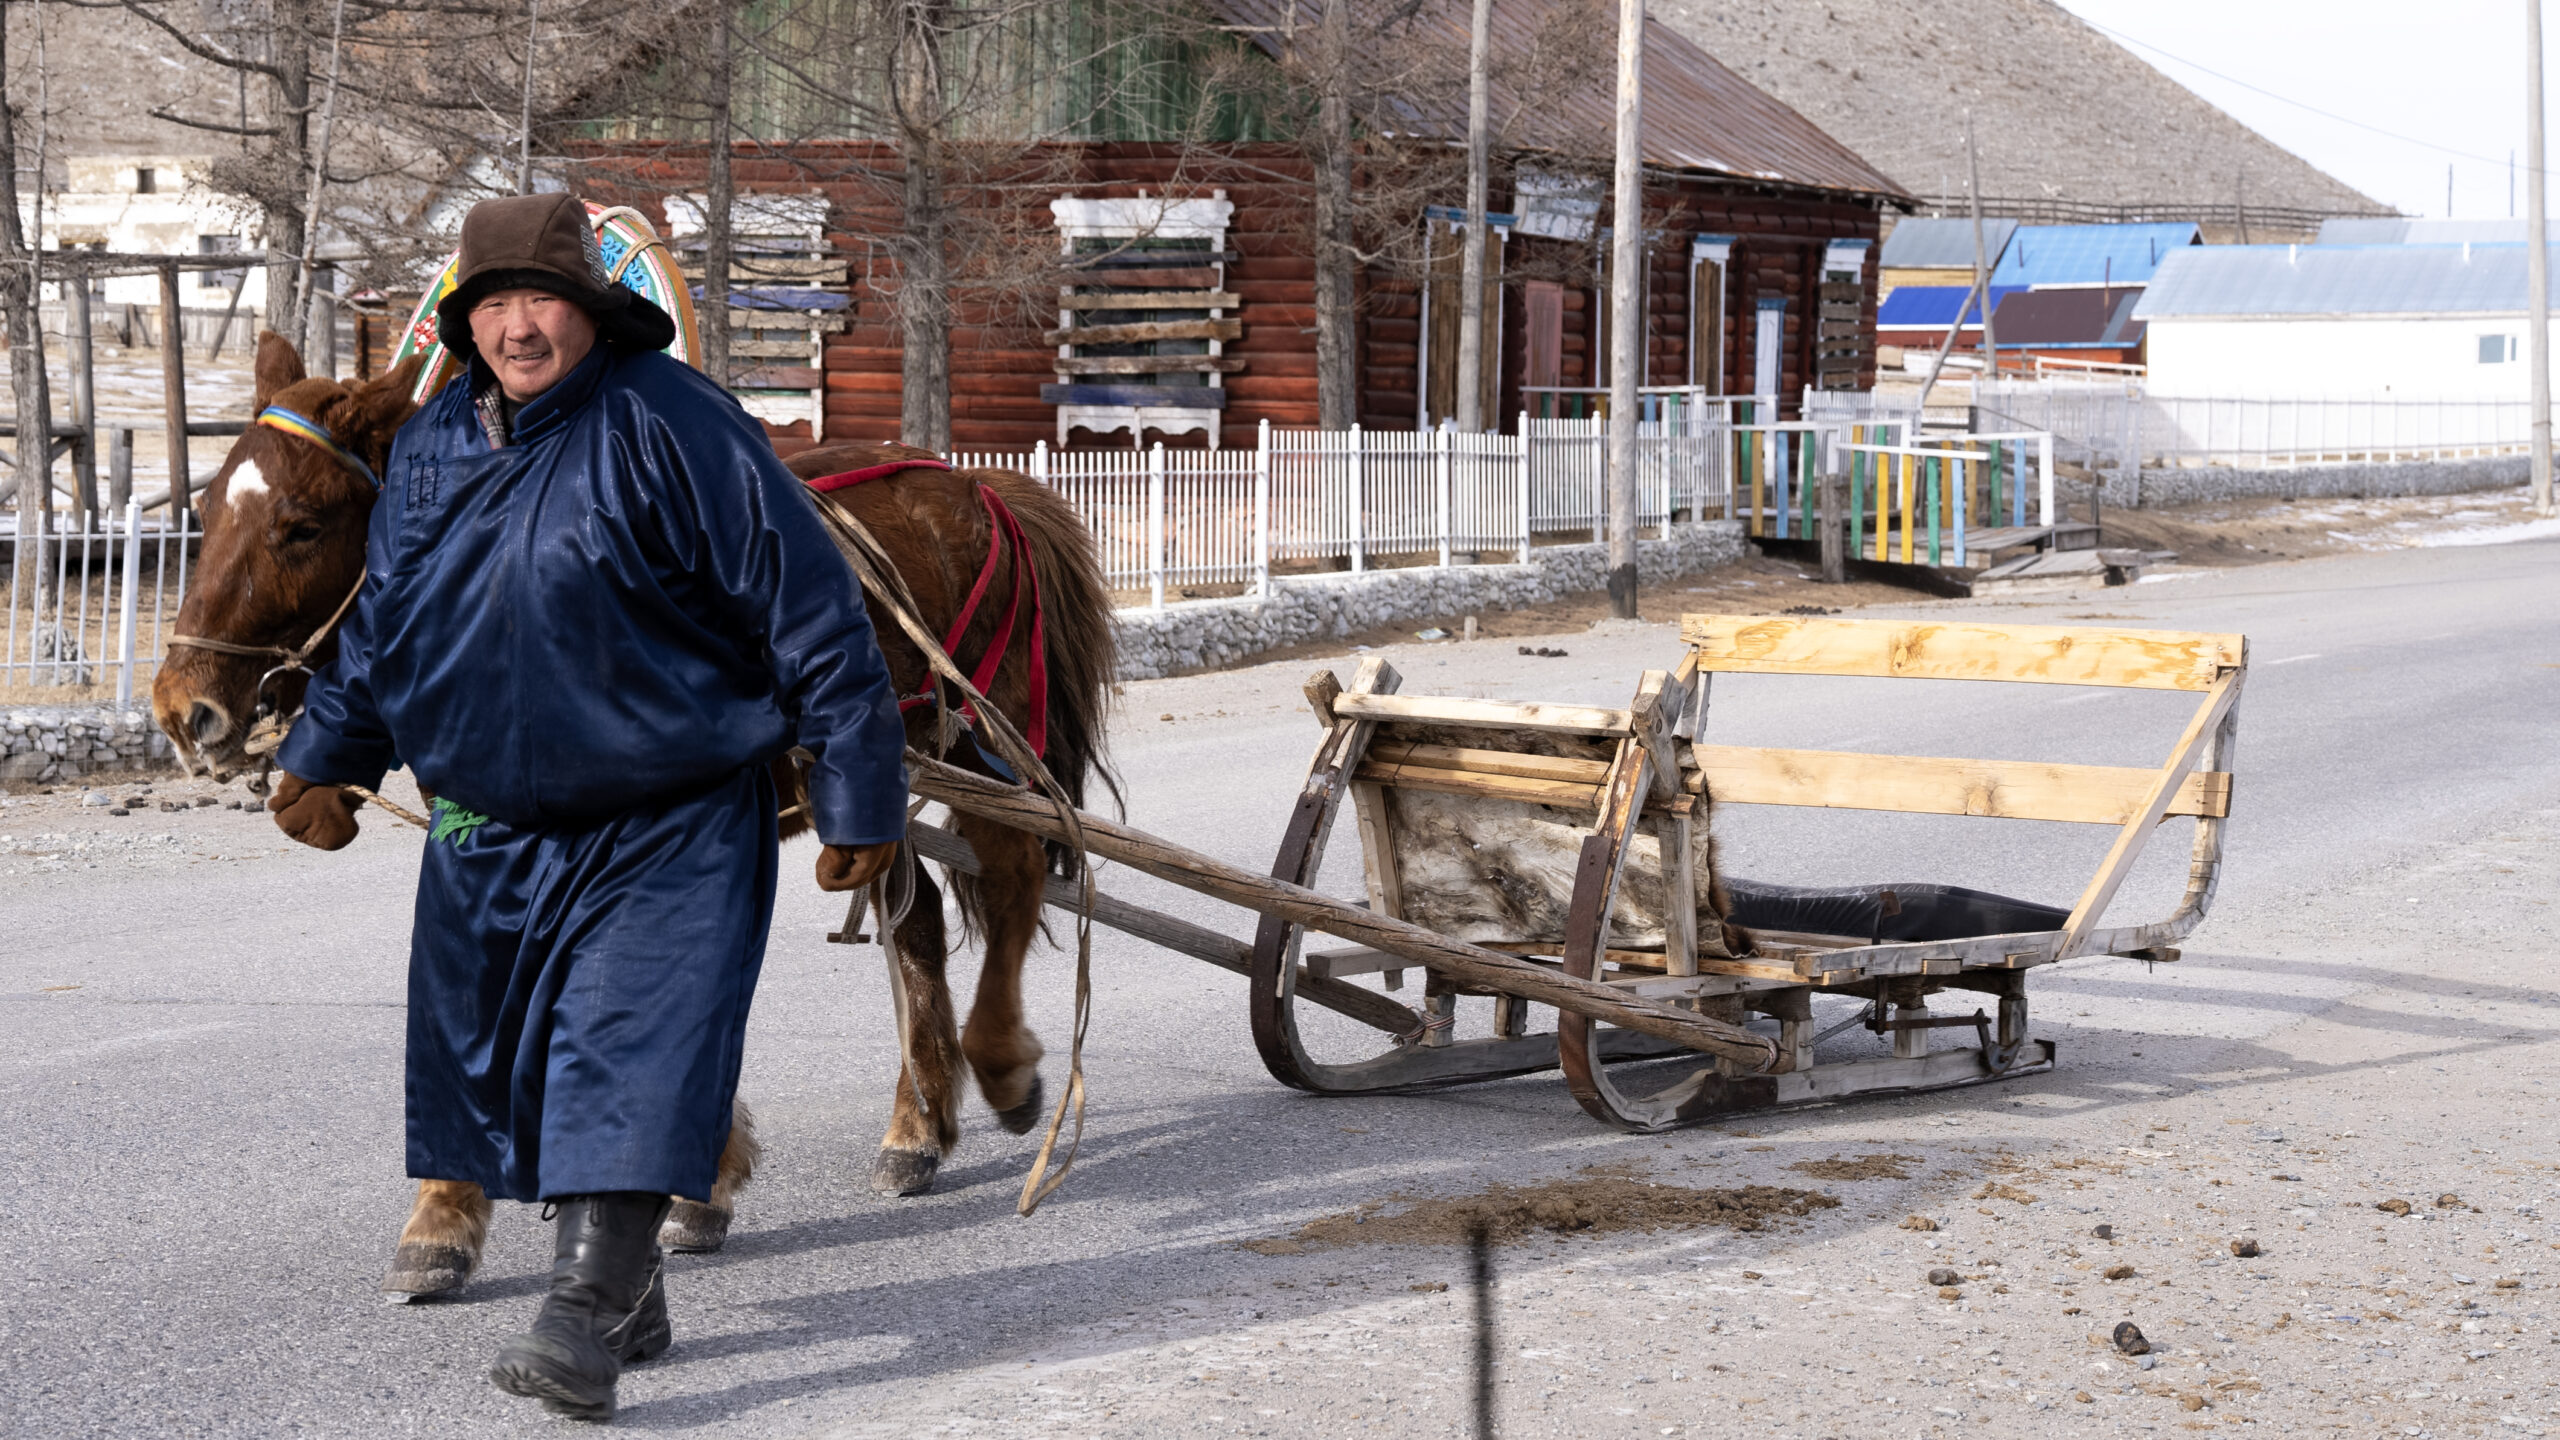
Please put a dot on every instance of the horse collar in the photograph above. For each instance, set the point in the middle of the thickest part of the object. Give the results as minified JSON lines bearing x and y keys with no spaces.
{"x":276,"y":417}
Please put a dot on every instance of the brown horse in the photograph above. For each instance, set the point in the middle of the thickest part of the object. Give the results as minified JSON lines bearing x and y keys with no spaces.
{"x":284,"y":544}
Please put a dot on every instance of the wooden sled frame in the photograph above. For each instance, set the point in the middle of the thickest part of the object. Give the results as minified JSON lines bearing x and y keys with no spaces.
{"x":1649,"y":782}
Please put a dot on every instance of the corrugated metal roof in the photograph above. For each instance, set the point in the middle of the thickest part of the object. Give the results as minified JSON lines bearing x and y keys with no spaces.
{"x":2089,"y":254}
{"x":1914,"y":306}
{"x":2068,"y":319}
{"x":2278,"y":280}
{"x":1918,"y":244}
{"x":2358,"y":231}
{"x":1697,"y":114}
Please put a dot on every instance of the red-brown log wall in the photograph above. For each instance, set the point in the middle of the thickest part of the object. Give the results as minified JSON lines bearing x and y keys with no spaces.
{"x":999,"y":363}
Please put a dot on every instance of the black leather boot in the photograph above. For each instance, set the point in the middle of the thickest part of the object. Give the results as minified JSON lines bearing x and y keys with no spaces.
{"x":607,"y":1307}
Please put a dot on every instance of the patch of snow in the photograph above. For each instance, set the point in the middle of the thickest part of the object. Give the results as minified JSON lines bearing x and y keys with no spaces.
{"x":2496,"y":534}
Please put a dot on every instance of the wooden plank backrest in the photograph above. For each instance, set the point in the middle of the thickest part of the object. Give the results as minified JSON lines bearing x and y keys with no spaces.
{"x":1922,"y":785}
{"x":1823,"y":779}
{"x":1932,"y":650}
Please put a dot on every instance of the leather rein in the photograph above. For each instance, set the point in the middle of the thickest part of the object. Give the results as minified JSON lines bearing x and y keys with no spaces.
{"x":295,"y":657}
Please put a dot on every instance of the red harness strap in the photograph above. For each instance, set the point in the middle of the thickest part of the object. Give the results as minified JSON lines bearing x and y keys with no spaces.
{"x":1005,"y":544}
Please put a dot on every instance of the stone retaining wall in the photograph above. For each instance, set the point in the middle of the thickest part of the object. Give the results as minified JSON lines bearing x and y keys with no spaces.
{"x":1207,"y":634}
{"x":57,"y":742}
{"x":2159,"y":488}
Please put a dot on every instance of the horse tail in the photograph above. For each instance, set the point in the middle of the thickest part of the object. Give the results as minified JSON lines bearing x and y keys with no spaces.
{"x":1077,"y":642}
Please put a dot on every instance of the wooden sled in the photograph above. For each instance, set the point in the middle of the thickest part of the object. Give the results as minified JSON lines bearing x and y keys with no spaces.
{"x":1574,"y":838}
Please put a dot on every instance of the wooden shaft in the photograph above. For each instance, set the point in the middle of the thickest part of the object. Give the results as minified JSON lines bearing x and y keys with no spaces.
{"x":1456,"y":959}
{"x":1174,"y":933}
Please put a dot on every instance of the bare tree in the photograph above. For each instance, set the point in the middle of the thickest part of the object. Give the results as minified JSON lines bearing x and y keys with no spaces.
{"x":274,"y":171}
{"x":720,"y":198}
{"x":21,"y":283}
{"x":1383,"y":108}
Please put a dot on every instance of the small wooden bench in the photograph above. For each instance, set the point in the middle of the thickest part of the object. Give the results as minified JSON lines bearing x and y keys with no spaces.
{"x":1577,"y":835}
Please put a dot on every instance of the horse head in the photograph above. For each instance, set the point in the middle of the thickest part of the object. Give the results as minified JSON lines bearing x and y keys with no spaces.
{"x":284,"y":532}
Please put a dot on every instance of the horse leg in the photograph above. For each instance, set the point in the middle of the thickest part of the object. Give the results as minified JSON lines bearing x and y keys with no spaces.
{"x":1002,"y":1051}
{"x":698,"y":1227}
{"x":440,"y":1246}
{"x":924,"y":1126}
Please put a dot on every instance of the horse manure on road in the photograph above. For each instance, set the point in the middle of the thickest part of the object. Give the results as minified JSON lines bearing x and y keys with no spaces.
{"x":1597,"y":1203}
{"x":1865,"y":1167}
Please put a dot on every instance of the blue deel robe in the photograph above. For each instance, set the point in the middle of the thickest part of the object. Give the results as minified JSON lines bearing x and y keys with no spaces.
{"x":589,"y":644}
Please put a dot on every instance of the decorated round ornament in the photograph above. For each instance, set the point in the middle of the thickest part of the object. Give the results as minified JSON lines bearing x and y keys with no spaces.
{"x":633,"y":255}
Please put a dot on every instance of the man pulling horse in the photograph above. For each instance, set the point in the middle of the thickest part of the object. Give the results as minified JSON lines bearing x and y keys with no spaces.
{"x":594,"y":615}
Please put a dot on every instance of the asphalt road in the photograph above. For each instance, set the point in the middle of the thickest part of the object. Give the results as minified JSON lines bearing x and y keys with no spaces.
{"x":200,"y":1026}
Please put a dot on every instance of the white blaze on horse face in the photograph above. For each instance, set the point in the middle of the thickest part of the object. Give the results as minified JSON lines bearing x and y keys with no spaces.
{"x":246,"y":480}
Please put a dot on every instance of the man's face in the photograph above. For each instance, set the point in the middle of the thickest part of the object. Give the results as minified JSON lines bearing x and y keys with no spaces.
{"x":530,"y":338}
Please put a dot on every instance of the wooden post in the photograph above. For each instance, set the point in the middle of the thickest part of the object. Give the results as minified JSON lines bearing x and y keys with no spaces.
{"x":1470,"y":388}
{"x":84,"y":396}
{"x":1626,"y":317}
{"x":1981,"y":259}
{"x":2537,"y":266}
{"x":173,"y":391}
{"x":221,"y":332}
{"x":1834,"y":530}
{"x":119,"y":468}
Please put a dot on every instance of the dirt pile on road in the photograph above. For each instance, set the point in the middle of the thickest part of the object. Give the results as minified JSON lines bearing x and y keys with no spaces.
{"x":1600,"y":1202}
{"x":1865,"y":1167}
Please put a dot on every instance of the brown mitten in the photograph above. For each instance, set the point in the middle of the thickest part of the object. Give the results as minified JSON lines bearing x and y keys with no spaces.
{"x":320,"y":816}
{"x":850,"y":867}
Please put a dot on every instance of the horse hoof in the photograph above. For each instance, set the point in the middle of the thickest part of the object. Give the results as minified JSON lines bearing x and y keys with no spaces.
{"x":903,"y":1172}
{"x":420,"y":1269}
{"x":1018,"y":1118}
{"x":694,"y":1228}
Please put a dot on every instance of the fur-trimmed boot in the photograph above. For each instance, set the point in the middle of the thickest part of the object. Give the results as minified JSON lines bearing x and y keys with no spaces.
{"x":607,"y":1307}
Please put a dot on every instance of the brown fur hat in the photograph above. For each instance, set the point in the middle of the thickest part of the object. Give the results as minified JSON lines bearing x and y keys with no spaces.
{"x":543,"y":242}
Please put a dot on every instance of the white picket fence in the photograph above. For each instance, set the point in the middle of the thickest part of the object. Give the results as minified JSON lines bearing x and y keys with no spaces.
{"x":89,"y":603}
{"x":1166,"y":519}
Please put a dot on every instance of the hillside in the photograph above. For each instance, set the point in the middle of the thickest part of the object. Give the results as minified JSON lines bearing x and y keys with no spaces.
{"x":2061,"y":113}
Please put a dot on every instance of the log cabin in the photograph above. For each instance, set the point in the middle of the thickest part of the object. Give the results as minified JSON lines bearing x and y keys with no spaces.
{"x":1185,"y":308}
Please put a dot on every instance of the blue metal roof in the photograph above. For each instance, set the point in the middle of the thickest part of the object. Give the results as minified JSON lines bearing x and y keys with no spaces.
{"x":1912,"y":307}
{"x":2089,"y":254}
{"x":2271,"y":280}
{"x":1943,"y":245}
{"x":2396,"y":231}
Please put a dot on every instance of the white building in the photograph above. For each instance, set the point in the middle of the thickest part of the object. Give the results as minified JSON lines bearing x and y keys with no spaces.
{"x":2403,"y":321}
{"x":152,"y":205}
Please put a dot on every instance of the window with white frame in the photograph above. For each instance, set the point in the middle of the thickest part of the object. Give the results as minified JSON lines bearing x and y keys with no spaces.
{"x":1144,"y":320}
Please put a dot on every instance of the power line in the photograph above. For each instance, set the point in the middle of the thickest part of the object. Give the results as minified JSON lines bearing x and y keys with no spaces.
{"x":2287,"y":99}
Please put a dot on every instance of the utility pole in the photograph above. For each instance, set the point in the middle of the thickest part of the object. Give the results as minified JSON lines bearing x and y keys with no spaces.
{"x":1626,"y":320}
{"x":2537,"y":259}
{"x":1470,"y":407}
{"x":1981,"y":258}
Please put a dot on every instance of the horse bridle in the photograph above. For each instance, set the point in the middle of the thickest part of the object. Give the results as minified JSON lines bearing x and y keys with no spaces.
{"x":294,"y":657}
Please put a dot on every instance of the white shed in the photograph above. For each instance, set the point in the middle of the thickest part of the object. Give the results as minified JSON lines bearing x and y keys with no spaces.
{"x":2409,"y":321}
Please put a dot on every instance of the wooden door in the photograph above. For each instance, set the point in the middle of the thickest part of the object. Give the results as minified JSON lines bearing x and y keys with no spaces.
{"x":1445,"y":304}
{"x":1542,"y":320}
